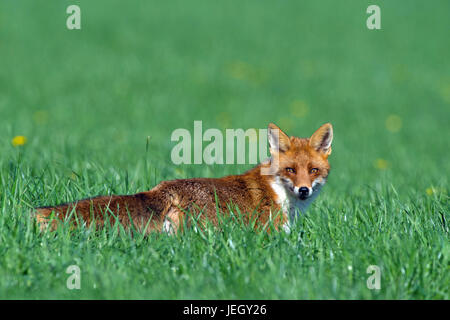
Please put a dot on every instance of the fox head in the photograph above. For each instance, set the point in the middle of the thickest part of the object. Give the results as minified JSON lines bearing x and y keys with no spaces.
{"x":301,"y":164}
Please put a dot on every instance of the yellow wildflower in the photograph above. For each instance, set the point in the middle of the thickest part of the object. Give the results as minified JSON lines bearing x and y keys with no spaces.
{"x":243,"y":71}
{"x":436,"y":191}
{"x":299,"y":108}
{"x":180,"y":172}
{"x":286,"y":123}
{"x":18,"y":141}
{"x":381,"y":164}
{"x":224,"y":119}
{"x":394,"y":123}
{"x":445,"y":92}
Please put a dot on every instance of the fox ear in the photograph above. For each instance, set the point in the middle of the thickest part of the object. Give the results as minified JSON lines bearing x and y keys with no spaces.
{"x":278,"y":140}
{"x":322,"y":138}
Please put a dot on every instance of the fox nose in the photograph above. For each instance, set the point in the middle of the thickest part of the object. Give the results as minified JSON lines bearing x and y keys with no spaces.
{"x":303,"y":192}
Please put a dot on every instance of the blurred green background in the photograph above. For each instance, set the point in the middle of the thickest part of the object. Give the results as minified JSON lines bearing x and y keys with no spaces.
{"x":146,"y":68}
{"x":86,"y":100}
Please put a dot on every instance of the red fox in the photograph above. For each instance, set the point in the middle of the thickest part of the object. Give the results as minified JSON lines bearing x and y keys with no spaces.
{"x":299,"y":168}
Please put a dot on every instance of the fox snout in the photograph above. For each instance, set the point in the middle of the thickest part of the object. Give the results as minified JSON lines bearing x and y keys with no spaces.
{"x":304,"y":192}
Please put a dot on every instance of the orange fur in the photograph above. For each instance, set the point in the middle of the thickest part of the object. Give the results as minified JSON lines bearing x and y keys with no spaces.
{"x":256,"y":195}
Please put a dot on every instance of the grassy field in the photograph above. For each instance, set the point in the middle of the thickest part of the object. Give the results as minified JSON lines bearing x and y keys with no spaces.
{"x":86,"y":101}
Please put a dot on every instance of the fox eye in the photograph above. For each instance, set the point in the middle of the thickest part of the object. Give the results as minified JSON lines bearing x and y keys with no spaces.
{"x":313,"y":170}
{"x":290,"y":170}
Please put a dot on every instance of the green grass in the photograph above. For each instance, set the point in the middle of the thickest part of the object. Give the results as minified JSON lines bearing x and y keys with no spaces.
{"x":87,"y":100}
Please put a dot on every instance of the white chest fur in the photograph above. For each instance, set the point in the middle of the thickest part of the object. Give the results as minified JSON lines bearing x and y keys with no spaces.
{"x":291,"y":205}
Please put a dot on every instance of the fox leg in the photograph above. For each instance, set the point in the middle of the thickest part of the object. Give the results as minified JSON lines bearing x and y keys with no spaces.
{"x":173,"y":220}
{"x":43,"y":219}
